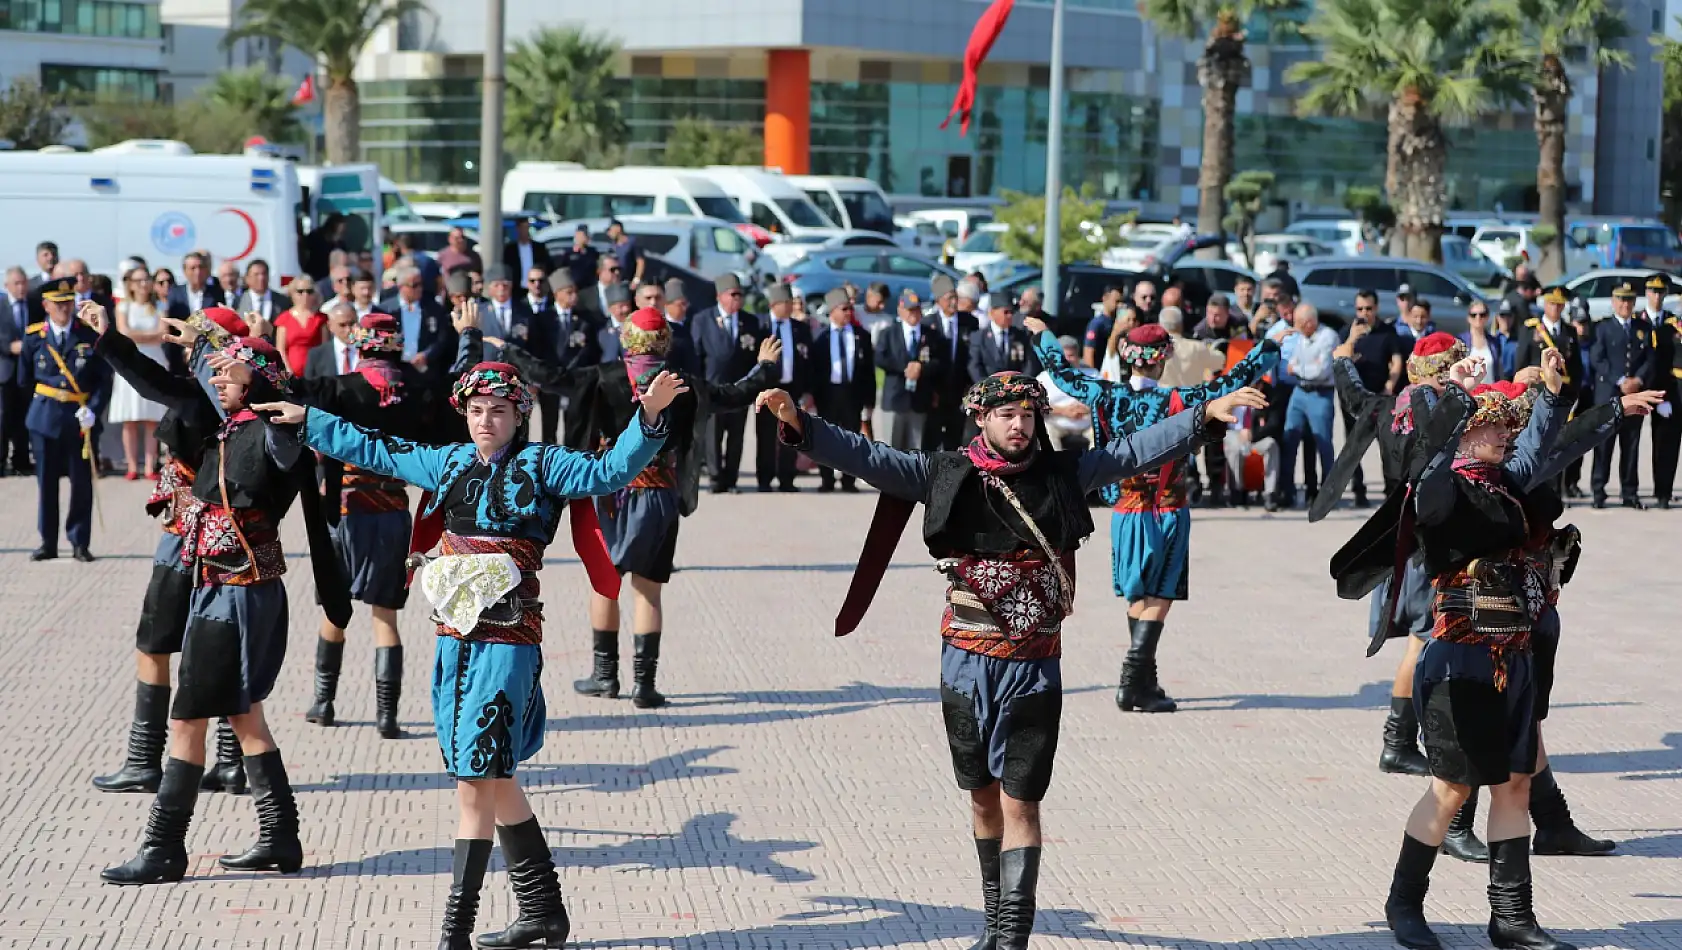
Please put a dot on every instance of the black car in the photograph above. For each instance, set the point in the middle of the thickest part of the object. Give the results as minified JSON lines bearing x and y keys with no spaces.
{"x":698,"y":290}
{"x":1082,"y":286}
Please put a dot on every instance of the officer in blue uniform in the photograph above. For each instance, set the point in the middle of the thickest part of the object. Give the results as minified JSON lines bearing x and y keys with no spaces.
{"x":70,"y":385}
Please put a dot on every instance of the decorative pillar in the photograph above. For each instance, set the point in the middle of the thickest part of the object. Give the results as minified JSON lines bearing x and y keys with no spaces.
{"x":788,"y":110}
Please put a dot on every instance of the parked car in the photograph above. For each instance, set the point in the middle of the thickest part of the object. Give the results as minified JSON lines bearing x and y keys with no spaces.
{"x":1218,"y":276}
{"x":443,"y":210}
{"x":1346,"y":237}
{"x":431,"y":237}
{"x":1596,"y":287}
{"x":823,"y":270}
{"x":1081,"y":287}
{"x":1502,"y":243}
{"x":1628,"y":242}
{"x":790,"y":251}
{"x":1463,"y":257}
{"x":980,"y":252}
{"x":709,"y":246}
{"x":924,"y":237}
{"x":1142,"y":247}
{"x":1330,"y":283}
{"x":1269,"y":248}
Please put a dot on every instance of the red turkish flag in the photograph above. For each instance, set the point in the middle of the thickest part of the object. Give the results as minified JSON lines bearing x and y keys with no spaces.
{"x":306,"y":91}
{"x":987,"y":29}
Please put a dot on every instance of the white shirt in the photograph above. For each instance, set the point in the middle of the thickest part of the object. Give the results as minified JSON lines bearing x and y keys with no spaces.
{"x":840,"y":354}
{"x":784,"y":329}
{"x":195,"y":299}
{"x":262,"y":305}
{"x":1057,"y":398}
{"x":1001,"y":339}
{"x":498,"y":319}
{"x":340,"y":348}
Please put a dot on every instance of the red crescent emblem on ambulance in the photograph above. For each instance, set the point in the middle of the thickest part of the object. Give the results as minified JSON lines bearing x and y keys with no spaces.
{"x":251,"y":226}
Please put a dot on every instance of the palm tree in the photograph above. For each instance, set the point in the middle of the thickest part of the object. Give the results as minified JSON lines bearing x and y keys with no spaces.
{"x":563,"y":104}
{"x":1544,"y":33}
{"x":333,"y":33}
{"x":1427,"y":63}
{"x":1221,"y":70}
{"x":259,"y":99}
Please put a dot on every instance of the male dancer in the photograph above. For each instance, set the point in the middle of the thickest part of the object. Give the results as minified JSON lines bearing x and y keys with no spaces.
{"x":1003,"y":518}
{"x":1150,"y":531}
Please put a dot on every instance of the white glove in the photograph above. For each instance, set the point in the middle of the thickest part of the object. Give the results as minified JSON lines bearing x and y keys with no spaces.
{"x":84,"y":417}
{"x":1664,"y":409}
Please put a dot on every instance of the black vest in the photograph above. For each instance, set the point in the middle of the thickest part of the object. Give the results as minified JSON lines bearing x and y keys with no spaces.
{"x":963,"y":517}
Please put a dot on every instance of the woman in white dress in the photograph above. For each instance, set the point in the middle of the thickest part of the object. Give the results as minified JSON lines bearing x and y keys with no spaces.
{"x":137,"y":319}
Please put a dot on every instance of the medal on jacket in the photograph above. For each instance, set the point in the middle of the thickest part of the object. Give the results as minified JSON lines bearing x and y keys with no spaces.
{"x":746,"y":342}
{"x":1016,"y":352}
{"x":521,"y":331}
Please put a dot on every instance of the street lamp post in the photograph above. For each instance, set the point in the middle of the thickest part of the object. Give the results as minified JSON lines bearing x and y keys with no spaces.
{"x":490,"y":135}
{"x":1051,"y":249}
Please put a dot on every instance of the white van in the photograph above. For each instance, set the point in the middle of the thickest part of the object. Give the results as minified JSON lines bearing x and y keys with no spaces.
{"x":771,"y":201}
{"x":359,"y":194}
{"x":394,"y":205}
{"x":562,"y":191}
{"x":856,"y":203}
{"x":105,"y":206}
{"x":710,"y":247}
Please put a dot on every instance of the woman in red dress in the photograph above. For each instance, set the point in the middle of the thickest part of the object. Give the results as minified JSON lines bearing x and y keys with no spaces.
{"x":299,"y":329}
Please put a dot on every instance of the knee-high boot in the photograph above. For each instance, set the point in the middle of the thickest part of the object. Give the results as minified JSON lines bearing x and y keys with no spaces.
{"x":604,"y":676}
{"x":388,"y":688}
{"x":644,"y":663}
{"x":1462,"y":840}
{"x":542,"y":921}
{"x":1019,"y":876}
{"x":163,"y":853}
{"x":143,"y":768}
{"x":1404,"y":909}
{"x":987,"y":849}
{"x":277,"y":847}
{"x":228,"y":774}
{"x":329,"y":656}
{"x":461,"y":908}
{"x":1556,"y":833}
{"x":1512,"y":916}
{"x":1401,"y":753}
{"x":1139,"y":689}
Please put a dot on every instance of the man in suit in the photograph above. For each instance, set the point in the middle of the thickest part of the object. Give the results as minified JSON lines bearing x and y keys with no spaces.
{"x":945,"y":428}
{"x":69,"y":384}
{"x":503,"y":322}
{"x":227,"y":278}
{"x":684,"y":353}
{"x":774,"y":461}
{"x":523,"y":255}
{"x":337,"y":354}
{"x":1622,"y":358}
{"x":46,"y":260}
{"x":608,"y":274}
{"x":728,"y":341}
{"x":619,"y":306}
{"x":429,"y":339}
{"x":999,"y":346}
{"x":580,"y":259}
{"x":257,"y":297}
{"x":14,"y":400}
{"x":843,"y":371}
{"x":1553,"y":331}
{"x":908,"y":353}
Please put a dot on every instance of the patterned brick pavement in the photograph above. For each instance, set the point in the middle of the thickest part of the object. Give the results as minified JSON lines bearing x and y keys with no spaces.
{"x":796,"y":794}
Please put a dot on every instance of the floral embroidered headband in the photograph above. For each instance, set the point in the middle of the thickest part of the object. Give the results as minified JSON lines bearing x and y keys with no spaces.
{"x":1501,"y":404}
{"x":645,"y":333}
{"x":492,"y":379}
{"x":1006,"y":389}
{"x":377,"y":333}
{"x":1146,"y":346}
{"x":1433,"y":355}
{"x":262,"y":357}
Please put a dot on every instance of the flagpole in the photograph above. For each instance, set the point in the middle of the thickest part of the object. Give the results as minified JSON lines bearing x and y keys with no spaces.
{"x":490,"y":136}
{"x":1052,"y":249}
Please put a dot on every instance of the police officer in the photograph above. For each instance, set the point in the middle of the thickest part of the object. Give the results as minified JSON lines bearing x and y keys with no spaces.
{"x":70,"y":385}
{"x":1621,"y":355}
{"x":1667,"y":421}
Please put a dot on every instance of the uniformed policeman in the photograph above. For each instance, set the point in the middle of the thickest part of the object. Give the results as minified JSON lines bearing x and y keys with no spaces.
{"x":1667,"y":421}
{"x":1621,"y":356}
{"x":70,"y":385}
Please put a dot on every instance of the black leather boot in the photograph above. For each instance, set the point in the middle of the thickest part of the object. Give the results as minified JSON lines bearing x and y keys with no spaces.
{"x":1404,"y":909}
{"x":1019,"y":877}
{"x":388,"y":687}
{"x":1139,"y":688}
{"x":643,"y":665}
{"x":1556,"y":833}
{"x":228,"y":774}
{"x":1401,"y":753}
{"x":143,"y":768}
{"x":163,"y":855}
{"x":987,"y":849}
{"x":1512,"y":918}
{"x":542,"y":921}
{"x":1462,"y":841}
{"x":277,"y":847}
{"x":461,"y":908}
{"x":604,"y":679}
{"x":329,"y":656}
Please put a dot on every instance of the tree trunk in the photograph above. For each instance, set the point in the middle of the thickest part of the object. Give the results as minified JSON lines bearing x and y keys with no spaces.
{"x":1551,"y":95}
{"x":343,"y":116}
{"x":1417,"y":159}
{"x":1220,"y":71}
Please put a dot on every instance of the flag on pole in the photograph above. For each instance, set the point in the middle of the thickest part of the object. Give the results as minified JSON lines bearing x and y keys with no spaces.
{"x":306,"y":91}
{"x":987,"y":29}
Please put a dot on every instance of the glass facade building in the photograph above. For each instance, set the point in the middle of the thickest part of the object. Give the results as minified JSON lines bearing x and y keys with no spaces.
{"x":82,"y":18}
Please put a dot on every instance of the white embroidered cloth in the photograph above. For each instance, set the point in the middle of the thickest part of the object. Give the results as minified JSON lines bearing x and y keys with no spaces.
{"x":461,"y":586}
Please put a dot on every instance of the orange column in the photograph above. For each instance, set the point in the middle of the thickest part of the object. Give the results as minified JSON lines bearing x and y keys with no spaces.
{"x":788,"y":110}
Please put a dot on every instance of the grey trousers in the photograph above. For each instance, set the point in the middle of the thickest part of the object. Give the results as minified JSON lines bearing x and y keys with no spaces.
{"x":1237,"y":450}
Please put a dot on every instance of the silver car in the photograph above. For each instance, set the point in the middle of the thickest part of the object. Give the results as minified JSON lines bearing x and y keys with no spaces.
{"x":1330,"y":284}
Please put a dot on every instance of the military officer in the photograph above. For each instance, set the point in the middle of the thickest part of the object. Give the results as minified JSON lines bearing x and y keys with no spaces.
{"x":70,"y":385}
{"x":1621,"y":356}
{"x":1667,"y":420}
{"x":1551,"y":331}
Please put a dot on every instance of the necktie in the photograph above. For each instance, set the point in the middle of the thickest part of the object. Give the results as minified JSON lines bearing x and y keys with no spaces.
{"x":911,"y":347}
{"x":346,"y":367}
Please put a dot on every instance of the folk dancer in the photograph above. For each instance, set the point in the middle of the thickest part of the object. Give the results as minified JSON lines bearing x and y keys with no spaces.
{"x":70,"y":386}
{"x":1150,"y":531}
{"x":1003,"y":518}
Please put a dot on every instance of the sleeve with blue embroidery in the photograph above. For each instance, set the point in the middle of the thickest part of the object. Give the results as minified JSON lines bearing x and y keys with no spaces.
{"x":565,"y":473}
{"x":1088,"y":389}
{"x":1246,"y":372}
{"x":417,"y":464}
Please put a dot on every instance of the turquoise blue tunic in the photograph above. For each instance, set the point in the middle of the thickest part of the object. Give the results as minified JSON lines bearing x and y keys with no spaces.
{"x":487,"y":700}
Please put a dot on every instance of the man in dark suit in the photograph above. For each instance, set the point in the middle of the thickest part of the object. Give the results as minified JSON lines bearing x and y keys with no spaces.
{"x":14,"y":401}
{"x":580,"y":259}
{"x":1622,"y":358}
{"x":728,"y":341}
{"x":608,"y":274}
{"x":772,"y":459}
{"x":573,"y":331}
{"x":908,"y":351}
{"x":336,"y":354}
{"x":195,"y":292}
{"x":619,"y":307}
{"x":1553,"y":331}
{"x":504,"y":322}
{"x":999,"y":346}
{"x":684,"y":353}
{"x":843,"y":371}
{"x":46,"y":259}
{"x":257,"y":297}
{"x":945,"y":428}
{"x":522,"y":255}
{"x":429,"y":339}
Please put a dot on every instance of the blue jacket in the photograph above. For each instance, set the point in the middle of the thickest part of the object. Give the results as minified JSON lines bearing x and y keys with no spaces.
{"x":36,"y":366}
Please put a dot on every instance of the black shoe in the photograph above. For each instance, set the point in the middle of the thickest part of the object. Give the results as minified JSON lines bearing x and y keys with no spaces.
{"x":1573,"y":491}
{"x":1404,"y":909}
{"x":83,"y":555}
{"x":1462,"y":842}
{"x":388,"y":688}
{"x":1271,"y":505}
{"x":1556,"y":833}
{"x":1663,"y":504}
{"x":1512,"y":916}
{"x":1599,"y":502}
{"x":163,"y":854}
{"x":788,"y":489}
{"x":277,"y":847}
{"x":825,"y":488}
{"x":644,"y":663}
{"x":461,"y":908}
{"x":1019,"y":875}
{"x":720,"y":490}
{"x":1634,"y":503}
{"x":143,"y":768}
{"x":531,"y":872}
{"x":849,"y":488}
{"x":987,"y":849}
{"x":329,"y":658}
{"x":44,"y":553}
{"x":228,"y":774}
{"x":604,"y":680}
{"x":1361,"y":500}
{"x":766,"y":488}
{"x":1401,"y":755}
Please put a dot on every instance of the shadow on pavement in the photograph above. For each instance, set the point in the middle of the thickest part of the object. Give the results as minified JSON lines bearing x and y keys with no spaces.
{"x":705,"y":841}
{"x":1653,"y":763}
{"x":539,"y":779}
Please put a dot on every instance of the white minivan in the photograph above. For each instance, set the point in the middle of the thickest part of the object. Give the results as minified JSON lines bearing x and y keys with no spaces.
{"x":710,"y":247}
{"x":771,"y":201}
{"x":562,"y":191}
{"x":856,"y":203}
